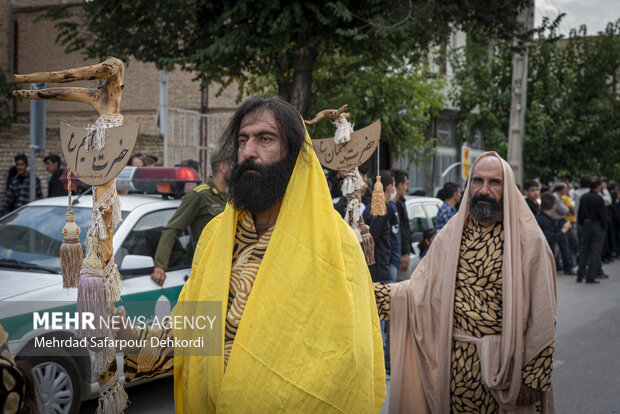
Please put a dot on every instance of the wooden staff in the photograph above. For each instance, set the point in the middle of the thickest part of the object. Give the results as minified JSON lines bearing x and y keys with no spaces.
{"x":106,"y":99}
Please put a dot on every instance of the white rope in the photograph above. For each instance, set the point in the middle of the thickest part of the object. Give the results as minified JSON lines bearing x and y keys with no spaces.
{"x":95,"y":138}
{"x":109,"y":200}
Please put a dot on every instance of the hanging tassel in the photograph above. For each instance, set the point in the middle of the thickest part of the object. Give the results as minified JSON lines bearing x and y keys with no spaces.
{"x":71,"y":254}
{"x":102,"y":362}
{"x":91,"y":292}
{"x":112,"y":397}
{"x":378,"y":199}
{"x":111,"y":285}
{"x":368,"y":244}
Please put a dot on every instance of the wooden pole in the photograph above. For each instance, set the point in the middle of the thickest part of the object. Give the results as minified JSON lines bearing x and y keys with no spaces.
{"x":106,"y":99}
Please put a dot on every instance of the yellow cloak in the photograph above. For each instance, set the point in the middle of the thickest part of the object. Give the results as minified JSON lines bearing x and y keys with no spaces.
{"x":309,"y":339}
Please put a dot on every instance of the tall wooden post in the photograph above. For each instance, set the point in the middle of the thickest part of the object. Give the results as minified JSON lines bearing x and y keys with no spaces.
{"x":106,"y":99}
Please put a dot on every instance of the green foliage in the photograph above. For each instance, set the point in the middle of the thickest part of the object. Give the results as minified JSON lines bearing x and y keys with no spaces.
{"x":229,"y":40}
{"x":402,"y":96}
{"x":572,"y":123}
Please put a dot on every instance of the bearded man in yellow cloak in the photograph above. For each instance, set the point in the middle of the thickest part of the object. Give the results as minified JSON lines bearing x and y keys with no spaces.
{"x":301,"y":331}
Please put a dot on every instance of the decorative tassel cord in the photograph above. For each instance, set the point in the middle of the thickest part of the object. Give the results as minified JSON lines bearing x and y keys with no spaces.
{"x":109,"y":200}
{"x":112,"y":397}
{"x":95,"y":138}
{"x":103,"y":359}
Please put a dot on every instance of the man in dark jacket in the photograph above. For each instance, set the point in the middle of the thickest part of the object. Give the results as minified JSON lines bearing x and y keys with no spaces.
{"x":18,"y":193}
{"x":402,"y":184}
{"x":531,"y":190}
{"x":549,"y":226}
{"x":592,"y":217}
{"x":54,"y":185}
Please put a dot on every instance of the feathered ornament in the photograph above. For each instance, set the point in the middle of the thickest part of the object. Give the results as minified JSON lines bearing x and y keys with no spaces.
{"x":71,"y":254}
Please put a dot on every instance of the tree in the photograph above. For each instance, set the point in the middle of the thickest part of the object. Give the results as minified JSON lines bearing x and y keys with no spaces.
{"x":572,"y":126}
{"x":249,"y":41}
{"x":403,"y":96}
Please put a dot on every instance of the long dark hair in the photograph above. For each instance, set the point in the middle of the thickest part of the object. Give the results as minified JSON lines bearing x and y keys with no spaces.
{"x":290,"y":126}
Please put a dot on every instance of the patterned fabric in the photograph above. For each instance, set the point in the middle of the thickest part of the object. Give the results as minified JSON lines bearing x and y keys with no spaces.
{"x":248,"y":253}
{"x":12,"y":383}
{"x":382,"y":297}
{"x":478,"y":312}
{"x":152,"y":362}
{"x":445,"y":213}
{"x":18,"y":194}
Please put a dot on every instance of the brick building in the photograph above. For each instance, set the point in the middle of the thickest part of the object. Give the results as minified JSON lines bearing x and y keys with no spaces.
{"x":194,"y":116}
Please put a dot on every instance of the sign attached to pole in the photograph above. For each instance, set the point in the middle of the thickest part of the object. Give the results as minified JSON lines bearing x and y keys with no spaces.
{"x":465,"y":161}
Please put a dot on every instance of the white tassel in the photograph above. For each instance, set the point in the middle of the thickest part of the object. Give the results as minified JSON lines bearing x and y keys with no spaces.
{"x":112,"y":397}
{"x":111,"y":285}
{"x":95,"y":138}
{"x":343,"y":131}
{"x":102,"y":362}
{"x":115,"y":205}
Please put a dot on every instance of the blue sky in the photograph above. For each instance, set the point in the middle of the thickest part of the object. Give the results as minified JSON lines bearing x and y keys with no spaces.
{"x":595,"y":14}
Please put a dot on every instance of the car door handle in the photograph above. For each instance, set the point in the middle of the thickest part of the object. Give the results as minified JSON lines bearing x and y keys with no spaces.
{"x":185,"y":278}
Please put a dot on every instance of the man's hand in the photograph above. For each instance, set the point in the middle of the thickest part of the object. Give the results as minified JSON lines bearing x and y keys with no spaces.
{"x":528,"y":396}
{"x":404,"y":262}
{"x":567,"y":226}
{"x":158,"y":276}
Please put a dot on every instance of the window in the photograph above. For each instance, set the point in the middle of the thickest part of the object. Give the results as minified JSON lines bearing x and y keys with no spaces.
{"x":418,"y":221}
{"x":144,"y":237}
{"x":431,"y":210}
{"x":33,"y":234}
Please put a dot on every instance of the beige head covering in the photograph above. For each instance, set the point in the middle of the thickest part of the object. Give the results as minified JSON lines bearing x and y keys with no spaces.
{"x":422,"y":313}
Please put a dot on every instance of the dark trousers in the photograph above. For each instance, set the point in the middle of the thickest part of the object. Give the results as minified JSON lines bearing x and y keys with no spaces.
{"x":593,"y":236}
{"x":563,"y":244}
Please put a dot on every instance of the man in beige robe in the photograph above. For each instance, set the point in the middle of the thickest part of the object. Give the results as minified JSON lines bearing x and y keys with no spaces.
{"x":473,"y":329}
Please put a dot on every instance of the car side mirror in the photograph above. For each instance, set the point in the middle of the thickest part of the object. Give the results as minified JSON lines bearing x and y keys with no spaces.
{"x":137,"y":262}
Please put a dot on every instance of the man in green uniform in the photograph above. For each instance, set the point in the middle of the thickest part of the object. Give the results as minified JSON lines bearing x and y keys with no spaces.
{"x":198,"y":207}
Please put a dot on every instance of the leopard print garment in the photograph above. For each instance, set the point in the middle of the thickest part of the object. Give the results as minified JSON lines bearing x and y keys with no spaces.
{"x":478,"y":312}
{"x":248,"y":253}
{"x":12,"y":383}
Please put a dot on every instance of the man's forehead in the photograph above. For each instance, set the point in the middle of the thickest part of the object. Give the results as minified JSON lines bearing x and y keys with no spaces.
{"x":488,"y":167}
{"x":262,"y":119}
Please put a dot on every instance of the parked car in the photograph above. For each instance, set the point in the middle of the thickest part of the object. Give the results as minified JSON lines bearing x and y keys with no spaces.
{"x":422,"y":212}
{"x":30,"y":279}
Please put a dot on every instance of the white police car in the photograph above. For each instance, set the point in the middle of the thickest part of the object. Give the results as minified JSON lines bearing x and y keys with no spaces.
{"x":30,"y":277}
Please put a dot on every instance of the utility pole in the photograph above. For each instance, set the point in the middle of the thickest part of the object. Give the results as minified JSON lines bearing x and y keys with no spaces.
{"x":516,"y":125}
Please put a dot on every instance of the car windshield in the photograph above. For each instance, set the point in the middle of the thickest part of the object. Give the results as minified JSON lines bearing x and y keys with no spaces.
{"x":31,"y":237}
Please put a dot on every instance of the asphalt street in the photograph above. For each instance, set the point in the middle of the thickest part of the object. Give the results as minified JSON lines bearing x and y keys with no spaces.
{"x":586,"y":363}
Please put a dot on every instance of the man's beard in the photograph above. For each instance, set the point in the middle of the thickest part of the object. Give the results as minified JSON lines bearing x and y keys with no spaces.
{"x":257,"y":193}
{"x":485,"y":213}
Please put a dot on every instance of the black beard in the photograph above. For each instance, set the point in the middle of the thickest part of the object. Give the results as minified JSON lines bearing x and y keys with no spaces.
{"x":257,"y":193}
{"x":485,"y":213}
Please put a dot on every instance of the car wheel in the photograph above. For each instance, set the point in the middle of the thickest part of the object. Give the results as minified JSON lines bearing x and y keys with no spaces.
{"x":58,"y":383}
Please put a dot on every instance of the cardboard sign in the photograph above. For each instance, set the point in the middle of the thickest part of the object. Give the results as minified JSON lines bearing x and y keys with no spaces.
{"x":350,"y":154}
{"x":98,"y":167}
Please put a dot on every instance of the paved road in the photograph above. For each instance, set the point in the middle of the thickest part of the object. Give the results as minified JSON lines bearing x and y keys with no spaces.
{"x":586,"y":376}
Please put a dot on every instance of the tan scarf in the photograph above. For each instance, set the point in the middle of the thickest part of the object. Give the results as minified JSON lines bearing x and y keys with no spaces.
{"x":422,"y":313}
